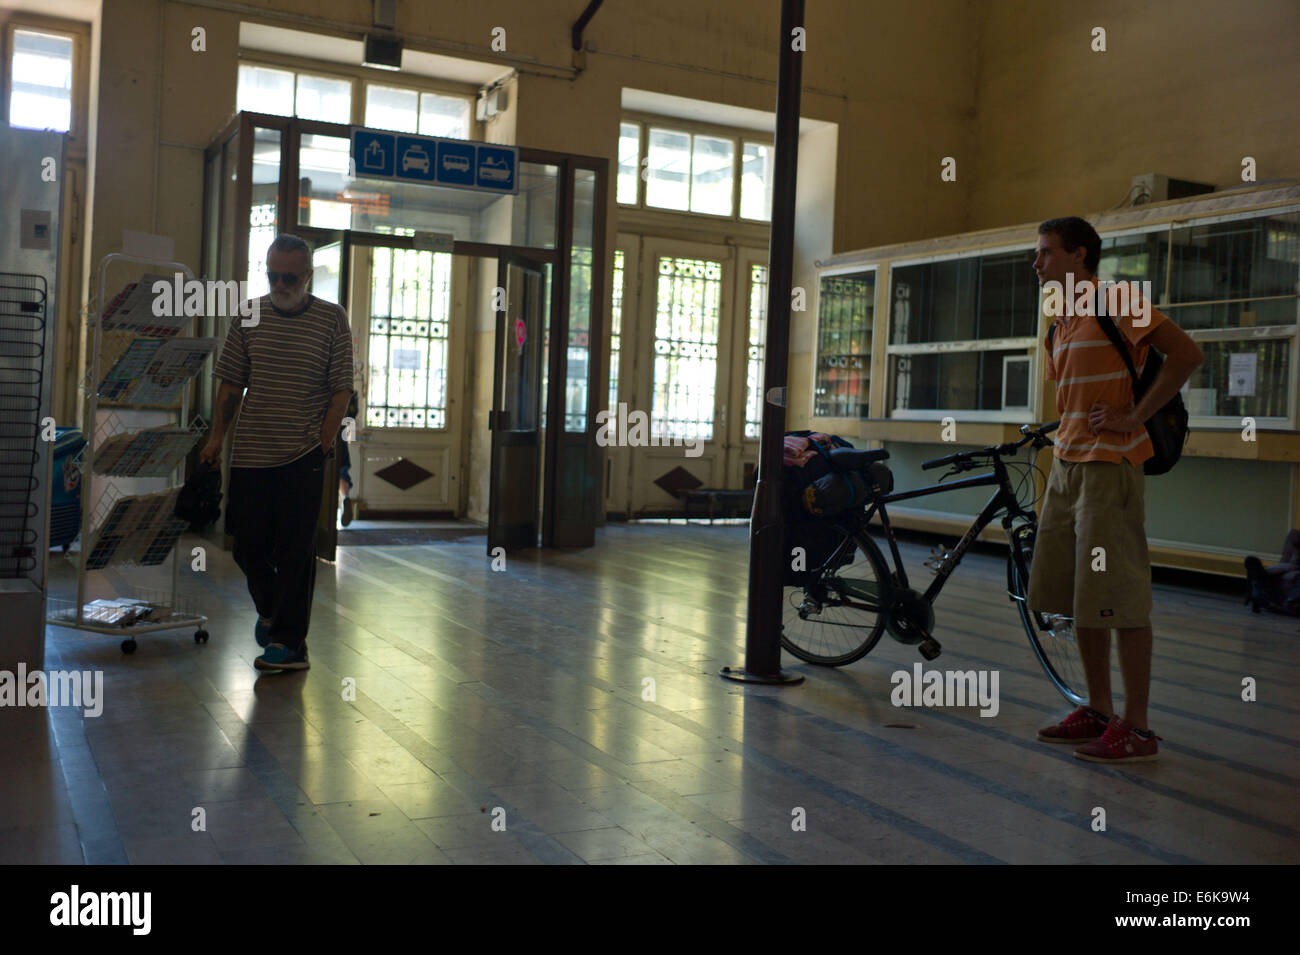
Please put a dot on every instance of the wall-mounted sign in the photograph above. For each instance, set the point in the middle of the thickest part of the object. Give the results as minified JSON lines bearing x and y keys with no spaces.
{"x":34,"y":229}
{"x":433,"y":241}
{"x":381,"y":154}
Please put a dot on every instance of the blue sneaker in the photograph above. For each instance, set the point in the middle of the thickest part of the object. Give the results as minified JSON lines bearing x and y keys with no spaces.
{"x":280,"y":657}
{"x":262,"y":633}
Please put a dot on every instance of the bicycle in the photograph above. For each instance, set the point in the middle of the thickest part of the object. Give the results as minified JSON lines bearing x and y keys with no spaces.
{"x":855,"y":602}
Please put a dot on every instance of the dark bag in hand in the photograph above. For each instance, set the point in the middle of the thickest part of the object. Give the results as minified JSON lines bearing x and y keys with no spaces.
{"x":199,"y":500}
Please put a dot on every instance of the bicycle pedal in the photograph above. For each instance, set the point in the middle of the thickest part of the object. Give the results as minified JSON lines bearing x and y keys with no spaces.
{"x":929,"y":648}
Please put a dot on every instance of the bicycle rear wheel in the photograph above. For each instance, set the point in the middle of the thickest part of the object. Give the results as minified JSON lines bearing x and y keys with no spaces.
{"x":1050,"y":635}
{"x":839,"y":616}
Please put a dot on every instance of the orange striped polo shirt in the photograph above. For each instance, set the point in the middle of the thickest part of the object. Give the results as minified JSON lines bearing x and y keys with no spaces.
{"x":1087,"y":369}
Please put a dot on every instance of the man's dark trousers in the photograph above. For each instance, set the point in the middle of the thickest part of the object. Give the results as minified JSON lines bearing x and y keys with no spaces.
{"x":272,"y":514}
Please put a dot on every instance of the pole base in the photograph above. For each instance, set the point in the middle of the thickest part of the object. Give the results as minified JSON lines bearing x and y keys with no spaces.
{"x":779,"y":678}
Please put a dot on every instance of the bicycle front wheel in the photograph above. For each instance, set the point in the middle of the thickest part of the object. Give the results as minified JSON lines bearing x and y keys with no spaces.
{"x":839,"y":616}
{"x":1050,"y":635}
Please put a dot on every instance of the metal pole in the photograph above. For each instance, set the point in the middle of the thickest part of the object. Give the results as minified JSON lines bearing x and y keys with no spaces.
{"x":766,"y":552}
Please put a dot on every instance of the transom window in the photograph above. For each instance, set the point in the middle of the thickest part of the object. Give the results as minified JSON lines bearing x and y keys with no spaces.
{"x":413,"y":111}
{"x":685,"y":170}
{"x":265,"y":89}
{"x":40,"y":81}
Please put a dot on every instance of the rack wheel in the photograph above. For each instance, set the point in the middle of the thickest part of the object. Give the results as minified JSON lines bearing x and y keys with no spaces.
{"x":128,"y":645}
{"x":200,"y":636}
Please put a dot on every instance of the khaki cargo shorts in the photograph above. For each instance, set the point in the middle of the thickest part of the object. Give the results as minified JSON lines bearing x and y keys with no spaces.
{"x":1091,"y":504}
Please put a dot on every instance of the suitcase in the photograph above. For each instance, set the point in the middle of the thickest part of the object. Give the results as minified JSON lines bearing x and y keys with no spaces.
{"x":1278,"y":587}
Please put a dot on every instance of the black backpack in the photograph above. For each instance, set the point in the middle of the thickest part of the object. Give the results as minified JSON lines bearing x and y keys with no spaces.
{"x":1167,"y":428}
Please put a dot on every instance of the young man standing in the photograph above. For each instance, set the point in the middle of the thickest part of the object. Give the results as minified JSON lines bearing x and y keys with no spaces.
{"x":1094,"y":494}
{"x":296,"y":362}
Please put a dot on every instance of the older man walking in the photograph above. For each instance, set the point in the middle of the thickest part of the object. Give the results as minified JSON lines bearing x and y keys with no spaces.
{"x":296,"y":363}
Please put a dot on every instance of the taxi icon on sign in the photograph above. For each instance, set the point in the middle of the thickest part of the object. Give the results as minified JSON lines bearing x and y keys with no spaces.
{"x":416,"y":158}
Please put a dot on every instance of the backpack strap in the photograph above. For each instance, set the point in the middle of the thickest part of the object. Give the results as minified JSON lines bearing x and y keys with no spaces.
{"x":1112,"y":333}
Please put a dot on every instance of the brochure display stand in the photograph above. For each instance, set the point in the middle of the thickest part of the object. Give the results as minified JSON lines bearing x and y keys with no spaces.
{"x":139,"y":361}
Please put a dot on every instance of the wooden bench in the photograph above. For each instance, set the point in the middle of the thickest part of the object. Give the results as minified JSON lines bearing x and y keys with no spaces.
{"x":720,"y":503}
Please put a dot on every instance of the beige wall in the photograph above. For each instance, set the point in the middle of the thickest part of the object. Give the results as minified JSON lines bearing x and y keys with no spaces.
{"x":159,"y":101}
{"x":1185,"y":89}
{"x":1038,"y":123}
{"x":159,"y":105}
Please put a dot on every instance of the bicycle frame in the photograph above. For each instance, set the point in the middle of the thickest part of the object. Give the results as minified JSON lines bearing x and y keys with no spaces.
{"x":1003,"y":500}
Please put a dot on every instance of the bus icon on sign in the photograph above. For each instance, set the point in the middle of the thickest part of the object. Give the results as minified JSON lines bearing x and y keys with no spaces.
{"x":458,"y":163}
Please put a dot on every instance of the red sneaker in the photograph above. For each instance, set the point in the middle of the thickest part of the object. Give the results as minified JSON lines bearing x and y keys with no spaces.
{"x":1081,"y":726}
{"x":1120,"y":744}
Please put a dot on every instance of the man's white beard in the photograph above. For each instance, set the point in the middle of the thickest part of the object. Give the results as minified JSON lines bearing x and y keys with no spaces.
{"x":288,"y":301}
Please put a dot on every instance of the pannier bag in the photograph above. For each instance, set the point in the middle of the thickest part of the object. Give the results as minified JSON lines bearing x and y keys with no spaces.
{"x":1276,"y":587}
{"x":841,"y":491}
{"x":806,"y":460}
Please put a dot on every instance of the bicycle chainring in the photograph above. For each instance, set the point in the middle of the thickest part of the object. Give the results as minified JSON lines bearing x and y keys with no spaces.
{"x":911,"y":617}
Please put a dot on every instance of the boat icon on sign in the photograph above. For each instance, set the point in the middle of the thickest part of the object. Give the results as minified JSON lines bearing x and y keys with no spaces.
{"x":497,"y":170}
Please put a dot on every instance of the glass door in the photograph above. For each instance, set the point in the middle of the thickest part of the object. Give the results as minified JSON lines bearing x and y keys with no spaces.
{"x":329,"y":256}
{"x":677,"y":431}
{"x":515,"y":419}
{"x":750,"y":335}
{"x":408,"y":325}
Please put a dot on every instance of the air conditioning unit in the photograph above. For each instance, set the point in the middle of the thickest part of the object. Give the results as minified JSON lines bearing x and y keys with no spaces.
{"x":1153,"y":187}
{"x":382,"y":52}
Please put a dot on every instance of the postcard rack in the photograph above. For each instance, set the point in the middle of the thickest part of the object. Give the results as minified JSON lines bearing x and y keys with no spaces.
{"x":139,"y":361}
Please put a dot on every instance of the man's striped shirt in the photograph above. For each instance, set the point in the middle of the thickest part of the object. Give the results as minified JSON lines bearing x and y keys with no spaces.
{"x":1087,"y":369}
{"x":291,"y":364}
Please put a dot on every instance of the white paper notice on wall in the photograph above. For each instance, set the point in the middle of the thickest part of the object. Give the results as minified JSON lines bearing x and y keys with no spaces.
{"x":34,"y":225}
{"x":1241,"y":375}
{"x":146,"y":245}
{"x":433,"y":241}
{"x":407,"y":359}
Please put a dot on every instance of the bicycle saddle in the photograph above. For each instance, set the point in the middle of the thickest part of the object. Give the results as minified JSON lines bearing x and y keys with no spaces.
{"x":851,"y":459}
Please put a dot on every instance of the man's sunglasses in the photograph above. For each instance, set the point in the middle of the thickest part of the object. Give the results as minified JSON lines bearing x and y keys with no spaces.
{"x":290,"y":278}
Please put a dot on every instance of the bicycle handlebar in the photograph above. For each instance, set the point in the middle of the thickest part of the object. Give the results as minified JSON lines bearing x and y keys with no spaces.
{"x":1038,"y":436}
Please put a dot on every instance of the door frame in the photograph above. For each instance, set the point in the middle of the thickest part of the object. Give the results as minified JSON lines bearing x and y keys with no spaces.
{"x":740,"y":448}
{"x":714,"y":451}
{"x":458,"y":352}
{"x":573,"y":504}
{"x":498,"y":440}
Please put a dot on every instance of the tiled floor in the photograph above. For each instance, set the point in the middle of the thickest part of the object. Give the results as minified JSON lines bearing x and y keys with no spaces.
{"x":503,"y":718}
